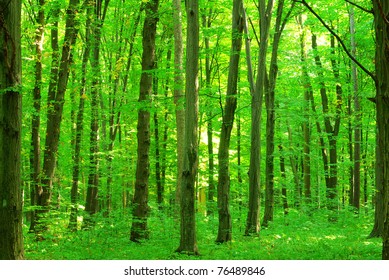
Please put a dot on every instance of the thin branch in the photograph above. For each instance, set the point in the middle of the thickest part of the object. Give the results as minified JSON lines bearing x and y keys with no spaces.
{"x":360,"y":7}
{"x":339,"y":40}
{"x":255,"y":33}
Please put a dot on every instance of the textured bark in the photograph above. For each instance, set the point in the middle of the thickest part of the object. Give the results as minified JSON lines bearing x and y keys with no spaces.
{"x":11,"y":235}
{"x":139,"y":228}
{"x":188,"y":243}
{"x":223,"y":187}
{"x":381,"y":24}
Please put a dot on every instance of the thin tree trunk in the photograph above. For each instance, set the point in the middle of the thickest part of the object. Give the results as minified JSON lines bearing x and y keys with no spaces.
{"x":139,"y":228}
{"x":223,"y":187}
{"x":35,"y":153}
{"x":11,"y":234}
{"x":74,"y":197}
{"x":179,"y":94}
{"x":188,"y":243}
{"x":284,"y":196}
{"x":92,"y":203}
{"x":306,"y":124}
{"x":357,"y":113}
{"x":271,"y":114}
{"x":253,"y":224}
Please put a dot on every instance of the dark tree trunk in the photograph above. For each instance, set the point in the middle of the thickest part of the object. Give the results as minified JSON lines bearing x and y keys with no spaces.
{"x":381,"y":16}
{"x":139,"y":228}
{"x":223,"y":187}
{"x":54,"y":115}
{"x":188,"y":243}
{"x":11,"y":235}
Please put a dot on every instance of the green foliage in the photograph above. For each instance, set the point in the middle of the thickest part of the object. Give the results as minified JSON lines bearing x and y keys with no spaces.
{"x":295,"y":237}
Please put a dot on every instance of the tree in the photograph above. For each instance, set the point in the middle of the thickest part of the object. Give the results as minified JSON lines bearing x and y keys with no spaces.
{"x":11,"y":235}
{"x":188,"y":243}
{"x":253,"y":225}
{"x":223,"y":187}
{"x":54,"y":115}
{"x":179,"y":94}
{"x":381,"y":27}
{"x":141,"y":208}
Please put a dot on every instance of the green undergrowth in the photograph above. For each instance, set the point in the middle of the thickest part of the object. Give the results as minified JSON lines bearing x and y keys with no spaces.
{"x":295,"y":237}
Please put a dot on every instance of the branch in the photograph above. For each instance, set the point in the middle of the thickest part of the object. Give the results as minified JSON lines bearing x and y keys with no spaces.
{"x":340,"y":41}
{"x":360,"y":7}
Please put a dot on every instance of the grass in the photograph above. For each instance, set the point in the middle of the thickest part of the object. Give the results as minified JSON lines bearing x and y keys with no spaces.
{"x":295,"y":237}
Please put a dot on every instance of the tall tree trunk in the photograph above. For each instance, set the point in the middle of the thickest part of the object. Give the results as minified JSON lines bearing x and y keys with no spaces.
{"x":74,"y":197}
{"x":206,"y":24}
{"x":35,"y":153}
{"x":306,"y":124}
{"x":270,"y":86}
{"x":179,"y":94}
{"x":188,"y":243}
{"x":357,"y":113}
{"x":331,"y":130}
{"x":92,"y":203}
{"x":223,"y":187}
{"x":54,"y":115}
{"x":253,"y":224}
{"x":11,"y":235}
{"x":141,"y":209}
{"x":381,"y":16}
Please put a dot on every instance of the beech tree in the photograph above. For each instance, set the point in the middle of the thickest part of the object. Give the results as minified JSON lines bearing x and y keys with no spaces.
{"x":11,"y":235}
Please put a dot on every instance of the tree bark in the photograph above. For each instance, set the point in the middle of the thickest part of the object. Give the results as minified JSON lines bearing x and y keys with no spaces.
{"x":188,"y":243}
{"x":11,"y":235}
{"x":139,"y":228}
{"x":223,"y":187}
{"x":381,"y":25}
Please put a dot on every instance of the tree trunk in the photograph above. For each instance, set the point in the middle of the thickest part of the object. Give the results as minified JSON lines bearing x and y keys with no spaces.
{"x":74,"y":197}
{"x":54,"y":115}
{"x":179,"y":94}
{"x":11,"y":235}
{"x":188,"y":243}
{"x":271,"y":114}
{"x":331,"y":130}
{"x":306,"y":124}
{"x":223,"y":187}
{"x":141,"y":209}
{"x":381,"y":15}
{"x":253,"y":224}
{"x":35,"y":153}
{"x":357,"y":113}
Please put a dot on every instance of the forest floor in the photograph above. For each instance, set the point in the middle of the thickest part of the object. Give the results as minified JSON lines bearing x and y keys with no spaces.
{"x":294,"y":237}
